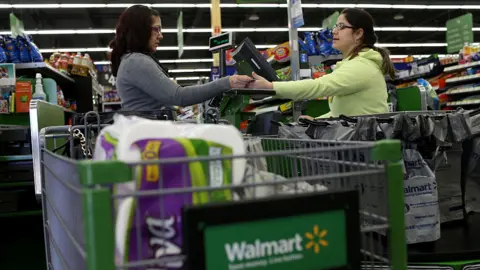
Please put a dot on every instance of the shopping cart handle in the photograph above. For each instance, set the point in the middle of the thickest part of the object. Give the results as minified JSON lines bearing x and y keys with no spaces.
{"x":251,"y":92}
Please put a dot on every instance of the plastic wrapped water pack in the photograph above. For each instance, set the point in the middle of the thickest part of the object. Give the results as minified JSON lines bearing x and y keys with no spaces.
{"x":150,"y":227}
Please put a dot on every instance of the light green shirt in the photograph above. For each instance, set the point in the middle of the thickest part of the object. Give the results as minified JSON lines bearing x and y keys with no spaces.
{"x":357,"y":86}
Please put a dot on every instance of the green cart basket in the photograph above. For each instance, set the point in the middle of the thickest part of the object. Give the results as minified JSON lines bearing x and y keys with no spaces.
{"x":79,"y":204}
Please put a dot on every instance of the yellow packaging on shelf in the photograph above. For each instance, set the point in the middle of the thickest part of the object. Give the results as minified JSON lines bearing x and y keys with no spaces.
{"x":11,"y":103}
{"x":286,"y":106}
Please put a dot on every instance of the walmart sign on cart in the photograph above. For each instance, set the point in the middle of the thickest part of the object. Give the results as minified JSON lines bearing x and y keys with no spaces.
{"x":313,"y":241}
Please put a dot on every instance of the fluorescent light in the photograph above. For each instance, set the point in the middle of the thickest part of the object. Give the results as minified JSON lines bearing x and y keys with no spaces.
{"x":416,"y":29}
{"x":189,"y":70}
{"x":186,"y":48}
{"x":406,"y":45}
{"x":163,"y":48}
{"x":420,"y":55}
{"x":409,"y":6}
{"x":272,"y":29}
{"x":208,"y":30}
{"x":224,"y":5}
{"x":189,"y":78}
{"x":380,"y":6}
{"x":194,"y":48}
{"x":336,"y":6}
{"x":169,"y":61}
{"x":102,"y":63}
{"x":75,"y":6}
{"x":33,"y":6}
{"x":178,"y":61}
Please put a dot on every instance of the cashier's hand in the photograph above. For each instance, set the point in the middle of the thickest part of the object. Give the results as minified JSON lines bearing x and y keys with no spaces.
{"x":239,"y":81}
{"x":259,"y":82}
{"x":306,"y":117}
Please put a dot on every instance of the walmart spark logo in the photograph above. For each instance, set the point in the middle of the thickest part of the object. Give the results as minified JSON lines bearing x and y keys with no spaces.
{"x":316,"y":239}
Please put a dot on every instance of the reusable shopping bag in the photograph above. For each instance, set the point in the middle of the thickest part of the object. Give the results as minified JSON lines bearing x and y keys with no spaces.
{"x":422,"y":213}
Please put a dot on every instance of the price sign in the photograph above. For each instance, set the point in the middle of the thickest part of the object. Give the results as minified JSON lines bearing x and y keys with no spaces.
{"x":459,"y":32}
{"x":106,"y":78}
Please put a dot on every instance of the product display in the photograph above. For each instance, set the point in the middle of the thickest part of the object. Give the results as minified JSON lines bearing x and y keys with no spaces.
{"x":110,"y":95}
{"x":18,"y":50}
{"x":73,"y":63}
{"x":317,"y":43}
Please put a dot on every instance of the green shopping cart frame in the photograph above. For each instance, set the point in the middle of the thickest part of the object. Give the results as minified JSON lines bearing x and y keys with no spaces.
{"x":79,"y":224}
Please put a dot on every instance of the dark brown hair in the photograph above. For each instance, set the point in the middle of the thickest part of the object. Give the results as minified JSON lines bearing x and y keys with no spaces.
{"x":133,"y":32}
{"x":360,"y":19}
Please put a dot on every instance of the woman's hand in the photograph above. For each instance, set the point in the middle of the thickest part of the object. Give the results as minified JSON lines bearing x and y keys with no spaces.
{"x":239,"y":81}
{"x":306,"y":117}
{"x":259,"y":82}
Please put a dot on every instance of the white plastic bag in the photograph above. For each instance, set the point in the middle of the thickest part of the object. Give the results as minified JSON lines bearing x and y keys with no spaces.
{"x":422,"y":213}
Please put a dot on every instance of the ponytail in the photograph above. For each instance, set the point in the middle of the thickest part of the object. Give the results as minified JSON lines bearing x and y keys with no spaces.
{"x":387,"y":65}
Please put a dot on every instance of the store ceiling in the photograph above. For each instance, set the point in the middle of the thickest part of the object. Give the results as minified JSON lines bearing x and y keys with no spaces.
{"x":196,"y":22}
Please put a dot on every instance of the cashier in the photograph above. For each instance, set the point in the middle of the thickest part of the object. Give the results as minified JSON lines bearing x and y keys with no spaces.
{"x":357,"y":86}
{"x":142,"y":83}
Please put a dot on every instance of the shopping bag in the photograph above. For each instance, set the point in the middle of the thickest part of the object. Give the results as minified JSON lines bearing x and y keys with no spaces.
{"x":422,"y":213}
{"x":330,"y":130}
{"x":292,"y":131}
{"x":471,"y":175}
{"x":447,"y":165}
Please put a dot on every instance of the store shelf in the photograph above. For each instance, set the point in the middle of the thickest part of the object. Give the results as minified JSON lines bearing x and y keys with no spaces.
{"x":463,"y":90}
{"x":427,"y":75}
{"x":463,"y":78}
{"x":462,"y":66}
{"x":112,"y":103}
{"x":46,"y":70}
{"x":15,"y":158}
{"x":97,"y":87}
{"x":464,"y":102}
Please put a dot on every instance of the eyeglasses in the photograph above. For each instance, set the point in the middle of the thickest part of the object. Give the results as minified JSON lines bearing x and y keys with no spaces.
{"x":157,"y":29}
{"x":341,"y":26}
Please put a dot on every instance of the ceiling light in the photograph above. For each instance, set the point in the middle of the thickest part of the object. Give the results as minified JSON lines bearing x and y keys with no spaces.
{"x":170,"y":61}
{"x":189,"y":70}
{"x":208,"y":30}
{"x":407,"y":45}
{"x":102,"y":63}
{"x":179,"y":61}
{"x":254,"y":17}
{"x":224,"y":5}
{"x":189,"y":78}
{"x":193,"y":48}
{"x":398,"y":17}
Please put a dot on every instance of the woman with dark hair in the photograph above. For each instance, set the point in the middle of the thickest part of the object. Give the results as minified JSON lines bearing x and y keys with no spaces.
{"x":357,"y":85}
{"x":142,"y":83}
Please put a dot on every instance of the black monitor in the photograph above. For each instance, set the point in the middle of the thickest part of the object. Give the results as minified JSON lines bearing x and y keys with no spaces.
{"x":249,"y":59}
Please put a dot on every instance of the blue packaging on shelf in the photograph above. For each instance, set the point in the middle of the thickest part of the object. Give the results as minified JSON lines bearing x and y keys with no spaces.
{"x":3,"y":54}
{"x":303,"y":46}
{"x":309,"y":39}
{"x":34,"y":51}
{"x":12,"y":49}
{"x":24,"y":53}
{"x":324,"y":40}
{"x":303,"y":57}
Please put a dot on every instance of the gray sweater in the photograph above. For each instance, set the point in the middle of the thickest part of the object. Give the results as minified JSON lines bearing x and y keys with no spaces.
{"x":143,"y":86}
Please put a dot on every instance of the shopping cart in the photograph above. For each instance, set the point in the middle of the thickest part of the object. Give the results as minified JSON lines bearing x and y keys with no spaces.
{"x":79,"y":204}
